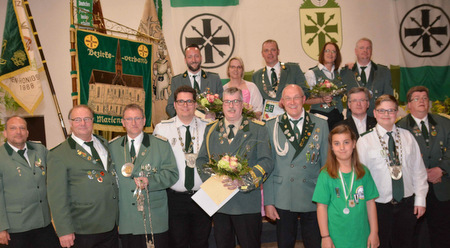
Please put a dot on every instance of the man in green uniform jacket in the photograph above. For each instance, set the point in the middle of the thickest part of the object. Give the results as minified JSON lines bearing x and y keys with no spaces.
{"x":145,"y":163}
{"x":236,"y":135}
{"x":24,"y":213}
{"x":82,"y":187}
{"x":299,"y":147}
{"x":272,"y":79}
{"x":433,"y":137}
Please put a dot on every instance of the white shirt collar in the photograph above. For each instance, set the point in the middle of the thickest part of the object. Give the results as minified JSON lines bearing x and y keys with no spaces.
{"x":137,"y":140}
{"x":80,"y":141}
{"x":417,"y":120}
{"x":16,"y":149}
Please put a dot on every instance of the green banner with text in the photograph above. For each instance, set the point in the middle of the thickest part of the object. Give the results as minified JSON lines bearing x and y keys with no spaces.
{"x":113,"y":73}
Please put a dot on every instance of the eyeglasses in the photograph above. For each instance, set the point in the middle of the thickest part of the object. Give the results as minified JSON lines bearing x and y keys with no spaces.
{"x":416,"y":99}
{"x":358,"y":100}
{"x":384,"y":111}
{"x":236,"y":67}
{"x":295,"y":98}
{"x":85,"y":119}
{"x":136,"y":119}
{"x":187,"y":102}
{"x":330,"y":51}
{"x":234,"y":102}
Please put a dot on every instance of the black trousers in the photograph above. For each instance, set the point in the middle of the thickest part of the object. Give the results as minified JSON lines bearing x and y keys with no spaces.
{"x":247,"y":228}
{"x":99,"y":240}
{"x":396,"y":223}
{"x":40,"y":237}
{"x":138,"y":241}
{"x":189,"y":225}
{"x":438,"y":219}
{"x":287,"y":229}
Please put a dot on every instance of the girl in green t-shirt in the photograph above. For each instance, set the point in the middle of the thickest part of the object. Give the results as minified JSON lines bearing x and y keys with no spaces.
{"x":345,"y":194}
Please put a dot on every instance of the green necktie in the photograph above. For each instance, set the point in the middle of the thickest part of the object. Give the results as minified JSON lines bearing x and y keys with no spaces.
{"x":425,"y":133}
{"x":94,"y":152}
{"x":132,"y":150}
{"x":196,"y":86}
{"x":189,"y":172}
{"x":274,"y":79}
{"x":363,"y":75}
{"x":231,"y":133}
{"x":397,"y":185}
{"x":296,"y":130}
{"x":22,"y":154}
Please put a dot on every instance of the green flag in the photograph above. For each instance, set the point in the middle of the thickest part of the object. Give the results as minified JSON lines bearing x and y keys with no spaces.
{"x":20,"y":64}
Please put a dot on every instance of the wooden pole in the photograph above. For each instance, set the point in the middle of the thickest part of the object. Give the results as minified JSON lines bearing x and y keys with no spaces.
{"x":44,"y":62}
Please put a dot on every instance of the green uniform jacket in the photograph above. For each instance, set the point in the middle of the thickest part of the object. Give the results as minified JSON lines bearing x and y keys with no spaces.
{"x":156,"y":159}
{"x":82,"y":195}
{"x":210,"y":80}
{"x":23,"y":189}
{"x":290,"y":74}
{"x":380,"y":82}
{"x":438,"y":152}
{"x":293,"y":180}
{"x":252,"y":139}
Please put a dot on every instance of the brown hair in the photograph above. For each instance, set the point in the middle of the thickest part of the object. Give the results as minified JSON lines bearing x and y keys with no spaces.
{"x":133,"y":106}
{"x":337,"y":61}
{"x":332,"y":164}
{"x":270,"y":41}
{"x":419,"y":88}
{"x":187,"y":89}
{"x":357,"y":90}
{"x":386,"y":98}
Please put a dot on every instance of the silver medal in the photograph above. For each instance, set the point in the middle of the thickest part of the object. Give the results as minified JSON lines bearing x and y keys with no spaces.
{"x":190,"y":159}
{"x":346,"y":211}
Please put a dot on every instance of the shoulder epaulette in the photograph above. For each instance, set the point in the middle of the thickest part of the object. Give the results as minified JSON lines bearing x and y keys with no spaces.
{"x":160,"y":137}
{"x":114,"y":139}
{"x":261,"y":123}
{"x":212,"y":122}
{"x":35,"y":141}
{"x":205,"y":120}
{"x":366,"y":132}
{"x":168,"y":121}
{"x":273,"y":117}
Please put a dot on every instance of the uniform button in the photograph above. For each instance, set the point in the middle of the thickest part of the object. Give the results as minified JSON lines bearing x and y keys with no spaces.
{"x":40,"y":201}
{"x":114,"y":197}
{"x":38,"y":187}
{"x":304,"y":166}
{"x":112,"y":183}
{"x":34,"y":173}
{"x":292,"y":166}
{"x":132,"y":191}
{"x":133,"y":204}
{"x":304,"y":180}
{"x":292,"y":179}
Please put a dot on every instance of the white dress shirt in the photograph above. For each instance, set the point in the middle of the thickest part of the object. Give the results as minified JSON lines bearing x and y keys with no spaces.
{"x":198,"y":78}
{"x":311,"y":76}
{"x":102,"y":152}
{"x":137,"y":143}
{"x":367,"y":70}
{"x":361,"y":125}
{"x":277,"y":68}
{"x":413,"y":168}
{"x":417,"y":120}
{"x":168,"y":129}
{"x":24,"y":154}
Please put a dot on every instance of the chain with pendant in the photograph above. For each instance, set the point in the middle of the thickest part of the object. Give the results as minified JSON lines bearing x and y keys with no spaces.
{"x":271,"y":93}
{"x":394,"y":164}
{"x":190,"y":156}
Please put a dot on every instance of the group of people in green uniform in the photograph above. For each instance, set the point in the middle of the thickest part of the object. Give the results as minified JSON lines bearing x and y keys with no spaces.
{"x":365,"y":181}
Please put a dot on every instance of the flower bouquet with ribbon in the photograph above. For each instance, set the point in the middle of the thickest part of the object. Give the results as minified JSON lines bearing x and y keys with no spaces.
{"x":326,"y":88}
{"x":208,"y":102}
